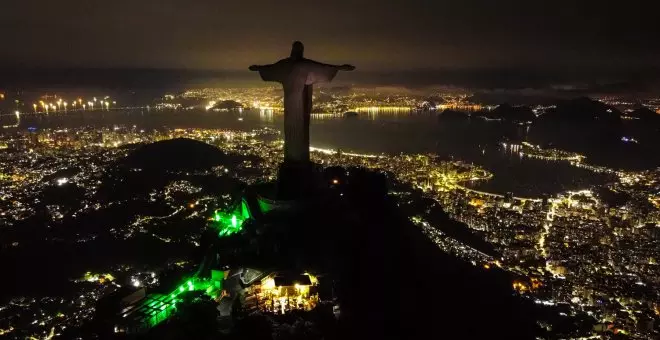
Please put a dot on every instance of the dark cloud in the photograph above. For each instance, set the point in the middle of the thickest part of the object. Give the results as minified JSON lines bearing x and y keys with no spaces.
{"x":373,"y":34}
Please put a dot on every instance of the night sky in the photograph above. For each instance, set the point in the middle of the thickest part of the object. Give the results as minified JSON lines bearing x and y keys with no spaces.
{"x":372,"y":34}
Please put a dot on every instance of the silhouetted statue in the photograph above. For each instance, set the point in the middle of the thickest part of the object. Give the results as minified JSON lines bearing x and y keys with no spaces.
{"x":297,"y":75}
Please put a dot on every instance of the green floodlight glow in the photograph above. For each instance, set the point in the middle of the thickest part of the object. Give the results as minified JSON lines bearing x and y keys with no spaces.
{"x":245,"y":211}
{"x":231,"y":221}
{"x":161,"y":311}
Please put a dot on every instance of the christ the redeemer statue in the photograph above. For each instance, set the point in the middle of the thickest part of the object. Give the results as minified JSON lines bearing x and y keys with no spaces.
{"x":297,"y":76}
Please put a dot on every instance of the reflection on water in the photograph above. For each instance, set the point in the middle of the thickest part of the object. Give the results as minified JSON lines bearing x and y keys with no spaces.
{"x":327,"y":116}
{"x":384,"y":109}
{"x":376,"y":112}
{"x":384,"y":131}
{"x":267,"y":115}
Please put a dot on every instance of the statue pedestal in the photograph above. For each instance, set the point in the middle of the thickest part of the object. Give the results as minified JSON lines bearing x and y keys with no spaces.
{"x":295,"y":180}
{"x":297,"y":183}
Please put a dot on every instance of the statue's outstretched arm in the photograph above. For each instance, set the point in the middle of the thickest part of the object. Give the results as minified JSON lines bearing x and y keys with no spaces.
{"x":258,"y":67}
{"x":345,"y":67}
{"x":272,"y":72}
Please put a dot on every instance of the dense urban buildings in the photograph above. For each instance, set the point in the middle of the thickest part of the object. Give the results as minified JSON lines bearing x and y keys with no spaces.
{"x":588,"y":254}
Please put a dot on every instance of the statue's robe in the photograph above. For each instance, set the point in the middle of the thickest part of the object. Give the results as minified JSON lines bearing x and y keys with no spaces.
{"x":297,"y":78}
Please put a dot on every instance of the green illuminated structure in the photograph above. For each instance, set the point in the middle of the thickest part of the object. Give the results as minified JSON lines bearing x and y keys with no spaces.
{"x":229,"y":223}
{"x":197,"y":284}
{"x":156,"y":308}
{"x":151,"y":311}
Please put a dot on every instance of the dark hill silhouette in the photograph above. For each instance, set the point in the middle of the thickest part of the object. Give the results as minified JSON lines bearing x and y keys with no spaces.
{"x":480,"y":113}
{"x":453,"y":115}
{"x":583,"y":111}
{"x":177,"y":154}
{"x":166,"y":161}
{"x":583,"y":125}
{"x":513,"y":114}
{"x":514,"y":96}
{"x":227,"y":105}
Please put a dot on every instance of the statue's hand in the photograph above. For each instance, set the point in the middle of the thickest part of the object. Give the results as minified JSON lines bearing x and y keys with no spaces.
{"x":254,"y":68}
{"x":346,"y":67}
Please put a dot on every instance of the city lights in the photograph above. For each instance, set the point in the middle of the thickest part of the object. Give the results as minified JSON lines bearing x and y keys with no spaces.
{"x":570,"y":248}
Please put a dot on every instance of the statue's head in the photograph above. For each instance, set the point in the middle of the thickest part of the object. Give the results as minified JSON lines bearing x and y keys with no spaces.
{"x":297,"y":50}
